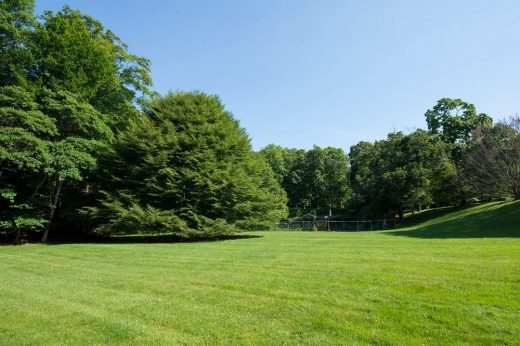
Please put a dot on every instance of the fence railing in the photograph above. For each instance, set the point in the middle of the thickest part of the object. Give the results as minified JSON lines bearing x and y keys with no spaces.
{"x":326,"y":225}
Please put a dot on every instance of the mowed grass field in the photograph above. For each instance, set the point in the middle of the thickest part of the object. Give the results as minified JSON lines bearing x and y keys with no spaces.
{"x":454,"y":279}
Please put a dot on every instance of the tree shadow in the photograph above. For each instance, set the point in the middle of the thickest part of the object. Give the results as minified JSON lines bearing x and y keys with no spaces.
{"x":137,"y":239}
{"x":412,"y":220}
{"x":493,"y":220}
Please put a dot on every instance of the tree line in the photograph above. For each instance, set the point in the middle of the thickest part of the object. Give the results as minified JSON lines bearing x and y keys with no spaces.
{"x":462,"y":155}
{"x":87,"y":145}
{"x":315,"y":178}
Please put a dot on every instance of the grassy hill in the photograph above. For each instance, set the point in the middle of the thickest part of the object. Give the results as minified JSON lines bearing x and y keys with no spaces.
{"x":449,"y":278}
{"x":490,"y":220}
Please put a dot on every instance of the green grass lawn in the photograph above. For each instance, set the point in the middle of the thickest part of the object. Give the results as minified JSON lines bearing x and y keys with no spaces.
{"x":451,"y":280}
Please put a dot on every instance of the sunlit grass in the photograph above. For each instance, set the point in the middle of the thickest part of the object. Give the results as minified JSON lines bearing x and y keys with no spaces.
{"x":423,"y":285}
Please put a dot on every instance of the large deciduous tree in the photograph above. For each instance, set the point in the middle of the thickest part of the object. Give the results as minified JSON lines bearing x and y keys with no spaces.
{"x":455,"y":120}
{"x":316,"y":178}
{"x":74,"y":52}
{"x":17,"y":23}
{"x":188,"y":168}
{"x":47,"y":141}
{"x":23,"y":155}
{"x":275,"y":155}
{"x":326,"y":177}
{"x":492,"y":165}
{"x":67,"y":85}
{"x":401,"y":172}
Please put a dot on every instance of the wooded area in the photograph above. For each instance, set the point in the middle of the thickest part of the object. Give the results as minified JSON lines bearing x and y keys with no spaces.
{"x":461,"y":156}
{"x":86,"y":145}
{"x":129,"y":217}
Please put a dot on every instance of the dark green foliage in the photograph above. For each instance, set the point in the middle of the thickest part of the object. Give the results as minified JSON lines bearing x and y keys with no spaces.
{"x":408,"y":172}
{"x":454,"y":120}
{"x":276,"y":156}
{"x":326,"y":176}
{"x":76,"y":53}
{"x":188,"y":167}
{"x":401,"y":172}
{"x":317,"y":177}
{"x":22,"y":155}
{"x":74,"y":117}
{"x":16,"y":23}
{"x":19,"y":109}
{"x":47,"y":141}
{"x":78,"y":132}
{"x":126,"y":217}
{"x":66,"y":85}
{"x":294,"y":181}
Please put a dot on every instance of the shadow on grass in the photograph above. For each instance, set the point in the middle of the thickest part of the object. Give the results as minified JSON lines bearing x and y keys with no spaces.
{"x":138,"y":239}
{"x":492,"y":220}
{"x":428,"y":214}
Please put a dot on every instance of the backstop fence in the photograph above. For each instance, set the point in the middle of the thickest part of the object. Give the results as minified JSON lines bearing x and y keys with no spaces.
{"x":326,"y":225}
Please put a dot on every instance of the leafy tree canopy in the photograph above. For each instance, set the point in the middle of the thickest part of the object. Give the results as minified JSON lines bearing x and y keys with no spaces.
{"x":16,"y":24}
{"x":188,"y":165}
{"x":401,"y":172}
{"x":74,"y":52}
{"x":455,"y":119}
{"x":66,"y":85}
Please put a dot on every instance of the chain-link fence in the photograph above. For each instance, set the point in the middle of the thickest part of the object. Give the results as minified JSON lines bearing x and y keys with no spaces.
{"x":326,"y":225}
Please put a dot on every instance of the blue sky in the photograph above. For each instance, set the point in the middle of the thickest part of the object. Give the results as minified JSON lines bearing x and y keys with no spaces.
{"x":325,"y":72}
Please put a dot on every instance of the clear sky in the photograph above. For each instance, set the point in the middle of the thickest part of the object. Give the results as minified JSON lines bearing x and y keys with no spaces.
{"x":325,"y":72}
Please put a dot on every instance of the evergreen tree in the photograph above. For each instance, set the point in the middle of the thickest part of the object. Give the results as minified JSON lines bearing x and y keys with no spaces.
{"x":188,"y":166}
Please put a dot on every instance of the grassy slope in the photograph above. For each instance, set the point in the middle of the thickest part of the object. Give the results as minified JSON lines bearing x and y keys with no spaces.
{"x":451,"y":280}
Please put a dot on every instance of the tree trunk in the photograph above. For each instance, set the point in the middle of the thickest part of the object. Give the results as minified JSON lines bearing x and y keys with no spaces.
{"x":54,"y":204}
{"x":463,"y":201}
{"x":18,"y":239}
{"x":37,"y":188}
{"x":400,"y":214}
